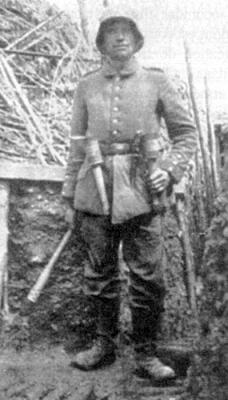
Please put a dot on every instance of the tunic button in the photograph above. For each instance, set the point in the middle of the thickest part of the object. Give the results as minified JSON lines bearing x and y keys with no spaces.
{"x":114,"y":132}
{"x":115,"y":108}
{"x":115,"y":121}
{"x":117,"y":88}
{"x":116,"y":98}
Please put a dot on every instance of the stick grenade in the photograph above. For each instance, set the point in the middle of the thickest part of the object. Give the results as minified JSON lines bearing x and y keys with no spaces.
{"x":151,"y":151}
{"x":43,"y":278}
{"x":95,"y":160}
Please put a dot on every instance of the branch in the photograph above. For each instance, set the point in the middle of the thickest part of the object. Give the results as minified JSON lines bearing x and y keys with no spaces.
{"x":35,"y":121}
{"x":33,"y":30}
{"x":33,"y":54}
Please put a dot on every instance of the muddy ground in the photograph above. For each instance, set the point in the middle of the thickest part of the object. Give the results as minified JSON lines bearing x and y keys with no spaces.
{"x":36,"y":350}
{"x":45,"y":374}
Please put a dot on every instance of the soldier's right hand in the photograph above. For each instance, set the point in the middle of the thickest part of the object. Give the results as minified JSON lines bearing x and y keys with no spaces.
{"x":69,"y":212}
{"x":70,"y":216}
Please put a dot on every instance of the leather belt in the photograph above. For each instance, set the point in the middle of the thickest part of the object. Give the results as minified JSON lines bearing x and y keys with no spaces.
{"x":115,"y":148}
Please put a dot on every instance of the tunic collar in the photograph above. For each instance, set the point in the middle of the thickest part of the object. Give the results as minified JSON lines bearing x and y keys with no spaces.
{"x":129,"y":68}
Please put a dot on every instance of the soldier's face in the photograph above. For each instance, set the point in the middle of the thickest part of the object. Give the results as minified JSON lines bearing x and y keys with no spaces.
{"x":119,"y":40}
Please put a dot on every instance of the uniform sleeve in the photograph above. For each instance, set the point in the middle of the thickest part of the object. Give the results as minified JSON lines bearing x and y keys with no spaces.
{"x":181,"y":130}
{"x":76,"y":148}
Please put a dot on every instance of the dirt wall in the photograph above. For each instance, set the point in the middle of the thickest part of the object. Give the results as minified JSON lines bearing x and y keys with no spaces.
{"x":36,"y":224}
{"x":208,"y":378}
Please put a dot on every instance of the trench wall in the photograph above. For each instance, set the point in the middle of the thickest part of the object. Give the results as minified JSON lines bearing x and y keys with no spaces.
{"x":36,"y":225}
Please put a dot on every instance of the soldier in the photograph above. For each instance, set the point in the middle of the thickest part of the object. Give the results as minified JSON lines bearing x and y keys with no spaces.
{"x":119,"y":106}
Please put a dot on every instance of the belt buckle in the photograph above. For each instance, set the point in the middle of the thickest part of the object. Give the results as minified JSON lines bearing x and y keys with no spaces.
{"x":119,"y":148}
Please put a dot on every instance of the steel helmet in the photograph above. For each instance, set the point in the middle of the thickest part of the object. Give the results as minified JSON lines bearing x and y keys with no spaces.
{"x":112,"y":13}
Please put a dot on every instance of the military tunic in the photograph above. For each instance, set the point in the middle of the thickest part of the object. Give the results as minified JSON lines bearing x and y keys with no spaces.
{"x":112,"y":107}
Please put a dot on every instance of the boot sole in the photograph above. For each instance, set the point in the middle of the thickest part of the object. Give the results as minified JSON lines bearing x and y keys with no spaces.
{"x":104,"y":362}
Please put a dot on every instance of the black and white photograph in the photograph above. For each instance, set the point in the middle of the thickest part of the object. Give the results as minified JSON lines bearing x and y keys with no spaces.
{"x":113,"y":200}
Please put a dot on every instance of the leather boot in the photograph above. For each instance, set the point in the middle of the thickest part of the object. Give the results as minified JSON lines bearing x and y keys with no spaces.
{"x":102,"y":352}
{"x":148,"y":365}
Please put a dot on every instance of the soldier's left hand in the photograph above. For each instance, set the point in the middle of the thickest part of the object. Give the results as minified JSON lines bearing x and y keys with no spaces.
{"x":158,"y":180}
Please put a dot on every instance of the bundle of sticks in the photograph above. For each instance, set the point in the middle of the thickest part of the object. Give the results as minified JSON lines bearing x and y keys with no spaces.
{"x":42,"y":55}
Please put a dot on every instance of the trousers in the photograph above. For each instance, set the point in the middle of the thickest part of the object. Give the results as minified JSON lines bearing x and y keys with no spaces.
{"x":142,"y":245}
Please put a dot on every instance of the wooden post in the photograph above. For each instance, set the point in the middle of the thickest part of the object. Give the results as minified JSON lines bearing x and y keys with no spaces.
{"x":189,"y":261}
{"x":4,"y":208}
{"x":180,"y":194}
{"x":202,"y":143}
{"x":201,"y":212}
{"x":224,"y":134}
{"x":211,"y":139}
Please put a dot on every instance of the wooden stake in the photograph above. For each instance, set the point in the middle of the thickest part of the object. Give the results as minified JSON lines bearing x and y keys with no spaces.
{"x":211,"y":139}
{"x":205,"y":158}
{"x":201,"y":212}
{"x":189,"y":260}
